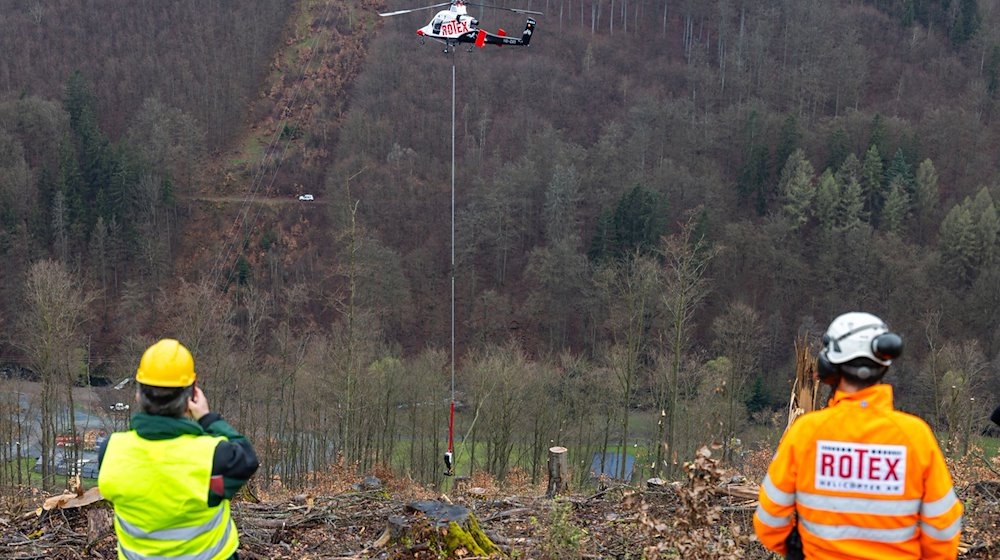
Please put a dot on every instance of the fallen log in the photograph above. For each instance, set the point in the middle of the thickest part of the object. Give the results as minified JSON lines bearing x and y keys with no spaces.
{"x":739,"y":491}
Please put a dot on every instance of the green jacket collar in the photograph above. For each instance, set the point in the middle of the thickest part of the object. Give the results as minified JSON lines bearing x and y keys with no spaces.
{"x":149,"y":426}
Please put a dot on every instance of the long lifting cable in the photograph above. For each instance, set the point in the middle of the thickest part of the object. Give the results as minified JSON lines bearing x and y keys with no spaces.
{"x":449,"y":456}
{"x":269,"y":154}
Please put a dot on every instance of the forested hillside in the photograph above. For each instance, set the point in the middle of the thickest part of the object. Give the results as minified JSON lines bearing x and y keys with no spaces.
{"x":654,"y":201}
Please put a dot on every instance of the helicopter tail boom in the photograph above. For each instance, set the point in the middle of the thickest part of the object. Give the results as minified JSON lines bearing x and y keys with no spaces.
{"x":529,"y":28}
{"x":500,"y":38}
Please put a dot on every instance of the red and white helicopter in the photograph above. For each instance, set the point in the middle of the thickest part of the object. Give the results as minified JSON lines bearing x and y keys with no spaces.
{"x":455,"y":25}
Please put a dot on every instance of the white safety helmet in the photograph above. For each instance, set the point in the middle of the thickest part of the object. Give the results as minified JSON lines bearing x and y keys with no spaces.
{"x":857,"y":344}
{"x":851,"y":336}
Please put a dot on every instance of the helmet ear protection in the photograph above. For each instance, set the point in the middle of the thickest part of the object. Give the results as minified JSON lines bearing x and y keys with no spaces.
{"x":828,"y":372}
{"x":874,"y":357}
{"x":887,"y":346}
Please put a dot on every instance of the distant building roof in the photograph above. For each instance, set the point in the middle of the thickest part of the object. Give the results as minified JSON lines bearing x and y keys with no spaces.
{"x":612,"y":462}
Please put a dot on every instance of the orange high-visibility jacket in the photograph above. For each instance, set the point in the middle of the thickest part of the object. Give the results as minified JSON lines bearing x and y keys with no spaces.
{"x":864,"y":481}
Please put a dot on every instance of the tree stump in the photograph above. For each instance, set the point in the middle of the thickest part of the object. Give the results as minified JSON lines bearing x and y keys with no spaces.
{"x":462,"y":483}
{"x":453,"y":530}
{"x":559,"y":474}
{"x":99,"y":524}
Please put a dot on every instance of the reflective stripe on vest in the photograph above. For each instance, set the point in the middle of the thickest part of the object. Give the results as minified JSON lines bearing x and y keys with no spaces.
{"x":857,"y":505}
{"x":777,"y":495}
{"x":176,"y":534}
{"x":945,"y":534}
{"x":772,"y":520}
{"x":939,"y":507}
{"x":206,"y":555}
{"x":838,"y":532}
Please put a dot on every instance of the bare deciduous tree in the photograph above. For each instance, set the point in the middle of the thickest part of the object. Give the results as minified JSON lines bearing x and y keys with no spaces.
{"x":963,"y":375}
{"x":51,"y":336}
{"x":737,"y":336}
{"x":630,"y":289}
{"x":686,"y":257}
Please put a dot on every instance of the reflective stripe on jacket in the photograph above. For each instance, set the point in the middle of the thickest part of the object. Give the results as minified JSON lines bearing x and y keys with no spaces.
{"x":159,"y":489}
{"x":863,"y":481}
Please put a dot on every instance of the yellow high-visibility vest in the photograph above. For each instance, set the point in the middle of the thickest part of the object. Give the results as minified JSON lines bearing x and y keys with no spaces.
{"x":159,"y":489}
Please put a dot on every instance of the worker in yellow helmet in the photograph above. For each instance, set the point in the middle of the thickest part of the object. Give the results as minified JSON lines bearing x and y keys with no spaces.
{"x":171,"y":476}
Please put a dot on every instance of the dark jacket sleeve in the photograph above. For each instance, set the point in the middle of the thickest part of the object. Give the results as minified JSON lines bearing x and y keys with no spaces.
{"x":101,"y":449}
{"x":234,"y":462}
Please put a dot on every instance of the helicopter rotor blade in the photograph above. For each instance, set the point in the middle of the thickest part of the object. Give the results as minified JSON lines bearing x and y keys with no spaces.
{"x":515,"y":10}
{"x":400,"y":12}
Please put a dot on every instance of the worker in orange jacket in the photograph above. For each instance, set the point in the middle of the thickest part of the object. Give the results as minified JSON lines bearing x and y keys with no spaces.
{"x":859,"y":479}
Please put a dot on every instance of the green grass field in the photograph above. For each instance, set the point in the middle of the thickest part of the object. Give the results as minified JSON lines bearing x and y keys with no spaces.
{"x":33,"y":479}
{"x":989,"y":445}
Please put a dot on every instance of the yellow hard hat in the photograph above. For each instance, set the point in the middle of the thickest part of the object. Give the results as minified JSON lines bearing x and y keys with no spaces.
{"x":166,"y":364}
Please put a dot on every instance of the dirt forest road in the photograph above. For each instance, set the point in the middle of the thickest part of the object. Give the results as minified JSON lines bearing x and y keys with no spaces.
{"x":93,"y":407}
{"x":269,"y":201}
{"x":82,"y":396}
